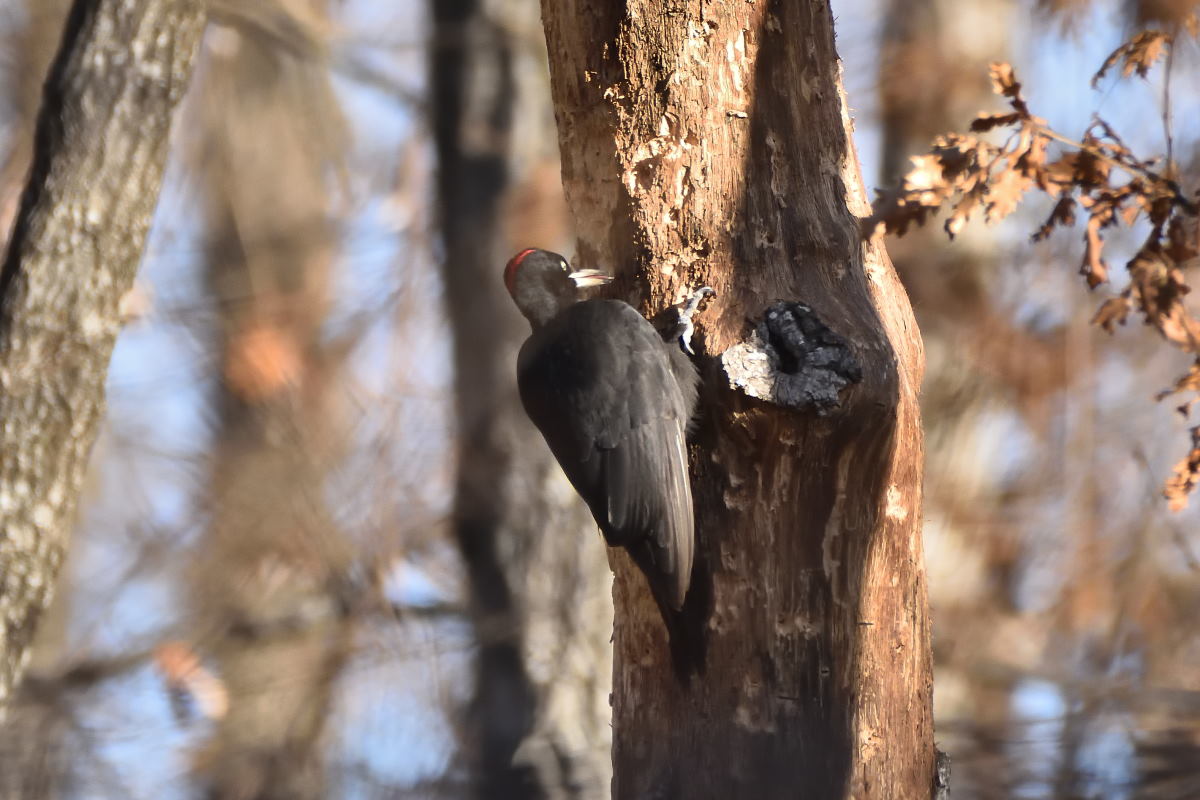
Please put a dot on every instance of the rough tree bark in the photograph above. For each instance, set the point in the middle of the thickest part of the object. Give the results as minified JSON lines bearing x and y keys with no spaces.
{"x":537,"y":725}
{"x":33,"y":740}
{"x":98,"y":159}
{"x":710,"y":143}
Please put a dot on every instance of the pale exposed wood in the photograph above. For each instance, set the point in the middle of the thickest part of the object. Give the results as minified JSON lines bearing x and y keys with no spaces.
{"x":708,"y":143}
{"x":98,"y":161}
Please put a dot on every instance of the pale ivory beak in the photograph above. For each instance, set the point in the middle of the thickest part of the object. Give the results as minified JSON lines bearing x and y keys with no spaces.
{"x":589,"y":277}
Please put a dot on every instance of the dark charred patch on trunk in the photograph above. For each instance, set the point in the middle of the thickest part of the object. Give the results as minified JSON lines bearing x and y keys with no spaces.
{"x":793,"y":359}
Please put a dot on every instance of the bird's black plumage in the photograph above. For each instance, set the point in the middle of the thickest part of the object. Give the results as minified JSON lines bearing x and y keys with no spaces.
{"x":612,"y":400}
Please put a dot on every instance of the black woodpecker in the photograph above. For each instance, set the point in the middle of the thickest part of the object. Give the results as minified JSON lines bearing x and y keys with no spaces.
{"x":612,"y":395}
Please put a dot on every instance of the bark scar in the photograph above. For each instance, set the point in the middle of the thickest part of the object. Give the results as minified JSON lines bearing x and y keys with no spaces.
{"x":792,"y":359}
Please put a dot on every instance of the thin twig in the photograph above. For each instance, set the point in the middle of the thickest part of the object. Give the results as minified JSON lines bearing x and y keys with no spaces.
{"x":1166,"y":114}
{"x":1177,"y":194}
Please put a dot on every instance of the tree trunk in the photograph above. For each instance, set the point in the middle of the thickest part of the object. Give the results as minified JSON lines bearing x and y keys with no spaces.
{"x":100,"y":147}
{"x":31,"y":46}
{"x":537,"y":725}
{"x":34,"y":735}
{"x":710,"y":143}
{"x":932,"y":76}
{"x":267,"y":584}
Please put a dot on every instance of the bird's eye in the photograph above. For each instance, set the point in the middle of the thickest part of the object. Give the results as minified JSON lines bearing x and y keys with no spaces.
{"x":565,"y":266}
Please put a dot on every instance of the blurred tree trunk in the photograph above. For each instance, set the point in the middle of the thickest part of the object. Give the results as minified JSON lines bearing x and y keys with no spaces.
{"x":32,"y":749}
{"x":933,"y":74}
{"x":98,"y":159}
{"x":709,"y":143}
{"x":537,"y":725}
{"x":265,"y":584}
{"x":35,"y":732}
{"x":31,"y":46}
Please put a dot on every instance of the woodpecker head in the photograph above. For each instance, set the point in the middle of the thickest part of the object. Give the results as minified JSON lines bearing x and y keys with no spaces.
{"x":543,"y":284}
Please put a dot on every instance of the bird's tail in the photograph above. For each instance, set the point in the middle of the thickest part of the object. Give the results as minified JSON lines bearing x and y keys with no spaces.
{"x":687,"y":631}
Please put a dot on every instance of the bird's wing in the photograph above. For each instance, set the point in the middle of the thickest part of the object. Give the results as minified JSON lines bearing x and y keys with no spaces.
{"x":598,"y":384}
{"x":649,"y":500}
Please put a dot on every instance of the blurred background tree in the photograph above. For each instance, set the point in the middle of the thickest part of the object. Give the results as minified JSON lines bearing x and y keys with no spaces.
{"x":321,"y":554}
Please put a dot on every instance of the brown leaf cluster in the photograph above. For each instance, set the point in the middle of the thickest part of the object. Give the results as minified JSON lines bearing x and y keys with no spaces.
{"x":980,"y":177}
{"x":1186,"y":477}
{"x":189,"y":681}
{"x":1138,"y":55}
{"x":1097,"y":178}
{"x":261,"y":361}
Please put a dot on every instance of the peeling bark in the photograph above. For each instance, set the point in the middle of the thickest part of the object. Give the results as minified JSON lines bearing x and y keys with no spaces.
{"x":710,"y":144}
{"x":100,"y":147}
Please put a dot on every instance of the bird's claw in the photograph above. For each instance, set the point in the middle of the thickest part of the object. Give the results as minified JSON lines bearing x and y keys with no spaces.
{"x":693,"y":302}
{"x":685,"y":317}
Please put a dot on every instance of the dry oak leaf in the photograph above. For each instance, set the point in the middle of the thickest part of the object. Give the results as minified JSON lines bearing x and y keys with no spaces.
{"x":1062,"y":215}
{"x":1094,"y":268}
{"x":188,"y":679}
{"x":1004,"y":81}
{"x":1007,"y":188}
{"x":985,"y":122}
{"x":1189,"y":382}
{"x":926,"y":183}
{"x":1186,"y":477}
{"x":262,"y":360}
{"x":1138,"y":55}
{"x":963,"y":209}
{"x":1159,"y":288}
{"x":1112,"y":312}
{"x":1078,"y":168}
{"x":1182,"y":244}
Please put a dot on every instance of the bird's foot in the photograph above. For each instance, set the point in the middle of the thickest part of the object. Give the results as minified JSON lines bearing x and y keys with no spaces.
{"x":674,"y":323}
{"x":687,"y":309}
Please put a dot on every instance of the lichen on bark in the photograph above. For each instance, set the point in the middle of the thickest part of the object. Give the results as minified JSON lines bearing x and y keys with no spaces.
{"x":99,"y":152}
